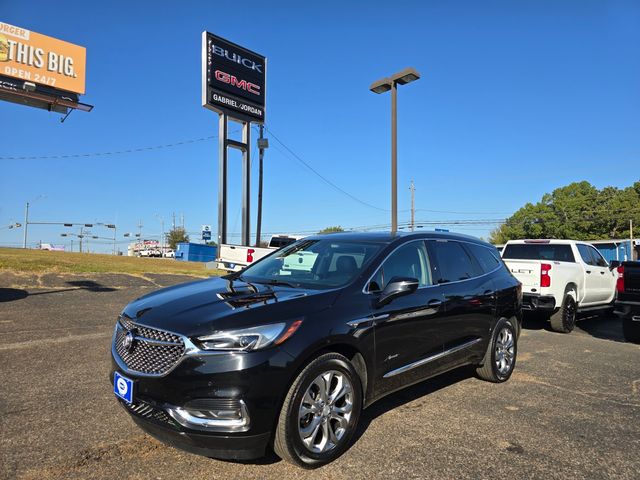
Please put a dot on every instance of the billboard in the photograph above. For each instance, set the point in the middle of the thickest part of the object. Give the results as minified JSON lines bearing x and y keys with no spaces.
{"x":233,"y":79}
{"x":33,"y":57}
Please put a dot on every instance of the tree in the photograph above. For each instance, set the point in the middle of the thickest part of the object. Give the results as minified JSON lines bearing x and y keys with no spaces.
{"x":577,"y":211}
{"x":335,"y":229}
{"x":175,"y":236}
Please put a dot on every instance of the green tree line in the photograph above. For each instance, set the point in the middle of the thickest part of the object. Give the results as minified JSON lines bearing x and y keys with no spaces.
{"x":578,"y":211}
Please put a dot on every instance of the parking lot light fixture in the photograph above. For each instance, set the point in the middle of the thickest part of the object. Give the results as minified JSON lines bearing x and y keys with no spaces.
{"x":403,"y":77}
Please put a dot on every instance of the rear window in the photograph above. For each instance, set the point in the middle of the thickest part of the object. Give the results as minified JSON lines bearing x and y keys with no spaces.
{"x":486,"y":257}
{"x":538,"y":251}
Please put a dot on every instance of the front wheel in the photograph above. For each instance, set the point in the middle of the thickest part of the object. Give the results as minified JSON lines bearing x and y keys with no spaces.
{"x":500,"y":357}
{"x":564,"y":320}
{"x":320,"y":413}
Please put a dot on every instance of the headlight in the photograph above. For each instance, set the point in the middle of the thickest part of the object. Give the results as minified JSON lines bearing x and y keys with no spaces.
{"x":246,"y":339}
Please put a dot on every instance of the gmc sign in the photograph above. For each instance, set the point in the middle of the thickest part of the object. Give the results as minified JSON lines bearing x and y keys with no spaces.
{"x":233,"y":79}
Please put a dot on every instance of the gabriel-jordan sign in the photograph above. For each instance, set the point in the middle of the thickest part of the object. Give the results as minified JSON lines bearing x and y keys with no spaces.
{"x":233,"y":78}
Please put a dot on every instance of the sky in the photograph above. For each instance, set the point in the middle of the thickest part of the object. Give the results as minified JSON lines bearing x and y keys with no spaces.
{"x":515,"y":99}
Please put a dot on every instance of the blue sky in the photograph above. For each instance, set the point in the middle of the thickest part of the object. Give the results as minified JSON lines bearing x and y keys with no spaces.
{"x":515,"y":99}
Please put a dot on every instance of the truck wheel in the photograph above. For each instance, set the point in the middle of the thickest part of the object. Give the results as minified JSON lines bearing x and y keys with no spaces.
{"x":631,"y":330}
{"x":320,"y":413}
{"x":564,"y":320}
{"x":500,"y":358}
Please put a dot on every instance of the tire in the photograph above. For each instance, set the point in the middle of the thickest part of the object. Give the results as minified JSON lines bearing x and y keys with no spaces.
{"x":564,"y":320}
{"x":500,"y":358}
{"x":307,"y":412}
{"x":631,"y":330}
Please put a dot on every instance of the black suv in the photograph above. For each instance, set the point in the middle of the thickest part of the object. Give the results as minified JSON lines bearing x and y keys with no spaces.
{"x":289,"y":351}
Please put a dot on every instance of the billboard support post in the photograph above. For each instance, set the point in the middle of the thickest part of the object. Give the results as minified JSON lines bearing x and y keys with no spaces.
{"x":224,"y":143}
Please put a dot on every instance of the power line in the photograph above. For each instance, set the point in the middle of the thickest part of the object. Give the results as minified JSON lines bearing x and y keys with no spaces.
{"x":115,"y":152}
{"x":318,"y":174}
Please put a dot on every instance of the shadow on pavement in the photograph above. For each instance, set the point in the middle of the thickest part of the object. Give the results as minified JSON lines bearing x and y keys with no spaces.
{"x":605,"y":327}
{"x":409,"y":394}
{"x":13,"y":294}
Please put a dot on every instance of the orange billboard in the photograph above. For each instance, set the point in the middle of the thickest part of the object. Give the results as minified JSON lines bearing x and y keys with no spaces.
{"x":40,"y":59}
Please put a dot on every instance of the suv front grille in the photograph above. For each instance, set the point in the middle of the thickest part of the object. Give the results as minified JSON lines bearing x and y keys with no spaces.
{"x":152,"y":351}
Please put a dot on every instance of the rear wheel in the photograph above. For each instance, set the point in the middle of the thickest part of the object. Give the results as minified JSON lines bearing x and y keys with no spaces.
{"x":320,"y":413}
{"x":564,"y":320}
{"x":500,"y":357}
{"x":631,"y":330}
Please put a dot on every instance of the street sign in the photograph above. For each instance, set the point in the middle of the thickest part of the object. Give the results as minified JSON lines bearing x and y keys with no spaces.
{"x":233,"y":79}
{"x":206,"y":232}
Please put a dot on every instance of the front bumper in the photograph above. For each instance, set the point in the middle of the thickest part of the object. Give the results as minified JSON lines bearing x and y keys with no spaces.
{"x":229,"y":447}
{"x":535,"y":302}
{"x":257,"y":380}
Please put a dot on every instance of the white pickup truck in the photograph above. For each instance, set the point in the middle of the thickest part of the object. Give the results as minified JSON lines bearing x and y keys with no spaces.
{"x":236,"y":257}
{"x":561,"y":278}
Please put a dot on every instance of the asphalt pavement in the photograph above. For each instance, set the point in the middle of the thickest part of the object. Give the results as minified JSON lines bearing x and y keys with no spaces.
{"x":570,"y":410}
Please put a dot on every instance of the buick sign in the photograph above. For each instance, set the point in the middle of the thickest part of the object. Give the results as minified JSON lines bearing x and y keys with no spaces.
{"x":233,"y":79}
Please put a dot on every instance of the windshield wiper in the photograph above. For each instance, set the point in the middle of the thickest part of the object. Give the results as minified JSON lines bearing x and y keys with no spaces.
{"x":279,"y":282}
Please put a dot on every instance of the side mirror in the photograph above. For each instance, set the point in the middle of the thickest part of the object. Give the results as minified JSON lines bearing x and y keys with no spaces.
{"x":614,"y":264}
{"x":397,"y":287}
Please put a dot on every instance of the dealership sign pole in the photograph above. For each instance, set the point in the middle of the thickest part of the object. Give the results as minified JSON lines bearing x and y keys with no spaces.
{"x":233,"y":85}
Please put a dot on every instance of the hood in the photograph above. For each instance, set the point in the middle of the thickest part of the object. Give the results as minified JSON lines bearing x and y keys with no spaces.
{"x":205,"y":306}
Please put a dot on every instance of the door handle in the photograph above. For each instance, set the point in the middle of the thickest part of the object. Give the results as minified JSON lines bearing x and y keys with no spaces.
{"x":601,"y":273}
{"x":434,"y":303}
{"x":588,"y":271}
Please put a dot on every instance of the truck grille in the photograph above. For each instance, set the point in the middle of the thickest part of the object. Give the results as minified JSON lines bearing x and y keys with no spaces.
{"x":152,"y":351}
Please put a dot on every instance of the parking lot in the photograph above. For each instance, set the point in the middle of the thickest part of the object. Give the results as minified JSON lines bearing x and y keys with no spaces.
{"x":571,"y":409}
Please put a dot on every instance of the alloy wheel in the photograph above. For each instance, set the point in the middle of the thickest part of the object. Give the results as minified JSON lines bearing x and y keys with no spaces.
{"x":325,"y":411}
{"x":505,"y":351}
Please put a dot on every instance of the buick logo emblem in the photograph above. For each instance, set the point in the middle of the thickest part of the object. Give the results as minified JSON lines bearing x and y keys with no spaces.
{"x":128,"y":341}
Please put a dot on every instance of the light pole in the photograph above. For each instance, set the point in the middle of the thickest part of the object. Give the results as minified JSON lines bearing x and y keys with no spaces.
{"x":407,"y":75}
{"x":112,"y":225}
{"x":26,"y":225}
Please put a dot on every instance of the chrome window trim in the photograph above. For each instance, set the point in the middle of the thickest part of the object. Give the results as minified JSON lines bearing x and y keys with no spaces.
{"x":431,"y":358}
{"x":366,"y":285}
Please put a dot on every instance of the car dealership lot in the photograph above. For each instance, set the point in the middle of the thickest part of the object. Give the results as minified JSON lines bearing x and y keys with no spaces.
{"x":571,"y":409}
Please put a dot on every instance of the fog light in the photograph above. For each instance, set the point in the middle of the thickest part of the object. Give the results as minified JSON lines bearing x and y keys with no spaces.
{"x":225,"y":419}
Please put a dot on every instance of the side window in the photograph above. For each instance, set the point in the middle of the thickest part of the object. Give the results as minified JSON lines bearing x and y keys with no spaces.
{"x":597,"y":256}
{"x":585,"y":253}
{"x":486,"y":257}
{"x":453,"y":262}
{"x":409,"y":260}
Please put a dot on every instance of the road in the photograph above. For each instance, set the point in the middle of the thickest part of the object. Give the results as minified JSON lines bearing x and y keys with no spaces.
{"x":570,"y":410}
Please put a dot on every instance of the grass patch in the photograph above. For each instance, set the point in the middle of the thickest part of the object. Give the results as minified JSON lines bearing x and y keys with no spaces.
{"x":42,"y":261}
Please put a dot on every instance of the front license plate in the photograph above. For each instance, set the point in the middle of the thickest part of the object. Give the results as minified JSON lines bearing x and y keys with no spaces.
{"x":123,"y":387}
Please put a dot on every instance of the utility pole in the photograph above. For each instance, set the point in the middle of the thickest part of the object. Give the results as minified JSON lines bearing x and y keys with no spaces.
{"x":81,"y":237}
{"x":140,"y":229}
{"x":182,"y":220}
{"x":262,"y":144}
{"x":26,"y":225}
{"x":173,"y":223}
{"x":413,"y":204}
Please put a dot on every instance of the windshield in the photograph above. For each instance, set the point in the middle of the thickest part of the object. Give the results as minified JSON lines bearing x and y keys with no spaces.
{"x":318,"y":264}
